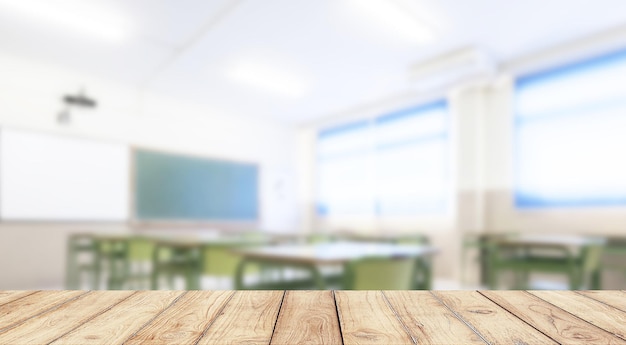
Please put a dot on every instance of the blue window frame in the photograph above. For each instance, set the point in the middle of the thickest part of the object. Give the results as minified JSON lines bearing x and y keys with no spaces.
{"x":395,"y":164}
{"x":570,"y":135}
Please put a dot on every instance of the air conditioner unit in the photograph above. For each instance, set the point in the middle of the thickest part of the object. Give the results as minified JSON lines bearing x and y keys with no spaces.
{"x":452,"y":68}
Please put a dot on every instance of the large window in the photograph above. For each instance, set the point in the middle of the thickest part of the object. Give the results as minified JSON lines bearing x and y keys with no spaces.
{"x":396,"y":164}
{"x":571,"y":135}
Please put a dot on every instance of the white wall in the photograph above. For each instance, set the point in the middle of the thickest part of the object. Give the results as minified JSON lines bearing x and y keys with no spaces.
{"x":32,"y":255}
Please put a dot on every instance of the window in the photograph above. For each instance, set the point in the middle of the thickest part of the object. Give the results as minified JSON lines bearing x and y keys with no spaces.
{"x":396,"y":164}
{"x":570,"y":135}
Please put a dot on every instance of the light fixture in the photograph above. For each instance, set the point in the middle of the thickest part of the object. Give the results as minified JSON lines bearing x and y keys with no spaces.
{"x":392,"y":18}
{"x":81,"y":17}
{"x":267,"y":77}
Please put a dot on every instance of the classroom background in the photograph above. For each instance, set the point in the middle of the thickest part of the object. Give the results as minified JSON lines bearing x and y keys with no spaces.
{"x":312,"y":144}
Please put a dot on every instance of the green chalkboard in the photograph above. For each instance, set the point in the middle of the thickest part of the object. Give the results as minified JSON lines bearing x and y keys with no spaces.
{"x":176,"y":187}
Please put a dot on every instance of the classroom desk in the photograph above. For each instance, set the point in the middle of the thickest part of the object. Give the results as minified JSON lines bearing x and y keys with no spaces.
{"x":198,"y":253}
{"x":312,"y":317}
{"x":542,"y":252}
{"x":310,"y":257}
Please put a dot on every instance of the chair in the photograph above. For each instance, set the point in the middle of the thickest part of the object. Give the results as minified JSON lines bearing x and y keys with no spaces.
{"x":380,"y":274}
{"x":218,"y":261}
{"x":422,"y":271}
{"x":316,"y":238}
{"x":112,"y":255}
{"x":78,"y":246}
{"x":172,"y":259}
{"x":139,"y":262}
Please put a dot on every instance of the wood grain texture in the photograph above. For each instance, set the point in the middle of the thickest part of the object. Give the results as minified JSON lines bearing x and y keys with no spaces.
{"x":54,"y":324}
{"x":608,"y":318}
{"x":248,"y":318}
{"x":24,"y":308}
{"x":313,"y":317}
{"x":307,"y":317}
{"x":121,"y":321}
{"x":549,"y":319}
{"x":7,"y":296}
{"x":185,"y":321}
{"x":428,"y":320}
{"x":366,"y":318}
{"x":494,"y":324}
{"x":616,"y":299}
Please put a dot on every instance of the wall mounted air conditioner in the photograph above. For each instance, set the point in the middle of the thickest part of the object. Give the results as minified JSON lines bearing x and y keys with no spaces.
{"x":452,"y":68}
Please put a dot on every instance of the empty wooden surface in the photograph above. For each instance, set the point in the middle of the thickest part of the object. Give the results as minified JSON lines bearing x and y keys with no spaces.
{"x":312,"y":317}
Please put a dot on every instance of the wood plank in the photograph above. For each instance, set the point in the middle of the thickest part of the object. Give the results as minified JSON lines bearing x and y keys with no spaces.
{"x":428,"y":320}
{"x":494,"y":324}
{"x":22,"y":309}
{"x":248,"y":318}
{"x":7,"y":296}
{"x":616,"y":299}
{"x":549,"y":319}
{"x":307,"y":317}
{"x":366,"y":318}
{"x":185,"y":321}
{"x":608,"y":318}
{"x":121,"y":321}
{"x":54,"y":324}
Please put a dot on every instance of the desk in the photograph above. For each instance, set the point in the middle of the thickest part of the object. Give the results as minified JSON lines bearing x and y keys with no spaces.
{"x":309,"y":257}
{"x":192,"y":256}
{"x":571,"y":255}
{"x":313,"y":317}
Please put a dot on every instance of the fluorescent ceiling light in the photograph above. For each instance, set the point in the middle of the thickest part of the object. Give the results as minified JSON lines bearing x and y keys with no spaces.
{"x":391,"y":17}
{"x":267,"y":77}
{"x":82,"y":17}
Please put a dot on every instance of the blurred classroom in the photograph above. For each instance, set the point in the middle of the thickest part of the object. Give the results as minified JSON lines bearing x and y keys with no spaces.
{"x":300,"y":144}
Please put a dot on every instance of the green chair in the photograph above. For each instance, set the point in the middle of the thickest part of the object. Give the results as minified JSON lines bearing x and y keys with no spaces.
{"x":422,"y":271}
{"x":80,"y":246}
{"x":173,"y":259}
{"x":219,"y":262}
{"x":380,"y":274}
{"x":320,"y":238}
{"x":112,"y":261}
{"x":139,"y":262}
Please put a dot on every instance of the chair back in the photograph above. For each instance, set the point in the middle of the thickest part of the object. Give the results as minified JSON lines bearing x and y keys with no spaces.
{"x":140,"y":248}
{"x":380,"y":274}
{"x":591,"y":257}
{"x":220,"y":261}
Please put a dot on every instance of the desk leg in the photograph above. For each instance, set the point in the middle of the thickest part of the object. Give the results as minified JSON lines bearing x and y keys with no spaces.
{"x":239,"y":274}
{"x":317,"y":277}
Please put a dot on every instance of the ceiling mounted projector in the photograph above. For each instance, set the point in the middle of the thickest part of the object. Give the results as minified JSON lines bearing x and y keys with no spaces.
{"x":79,"y":100}
{"x":459,"y":66}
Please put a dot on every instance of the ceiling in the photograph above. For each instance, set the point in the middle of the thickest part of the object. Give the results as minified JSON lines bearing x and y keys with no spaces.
{"x":328,"y":56}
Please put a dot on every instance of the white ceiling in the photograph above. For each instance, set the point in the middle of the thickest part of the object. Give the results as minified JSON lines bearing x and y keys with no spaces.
{"x":185,"y":48}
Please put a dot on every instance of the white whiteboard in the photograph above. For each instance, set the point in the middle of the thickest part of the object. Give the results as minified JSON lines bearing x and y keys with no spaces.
{"x":49,"y":177}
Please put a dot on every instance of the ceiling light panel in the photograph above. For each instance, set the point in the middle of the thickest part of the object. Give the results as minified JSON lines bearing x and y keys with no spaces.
{"x":391,"y":18}
{"x":81,"y":17}
{"x":268,"y":77}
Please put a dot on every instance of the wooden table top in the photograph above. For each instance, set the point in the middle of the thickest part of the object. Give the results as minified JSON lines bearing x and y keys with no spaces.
{"x":334,"y":252}
{"x":312,"y":317}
